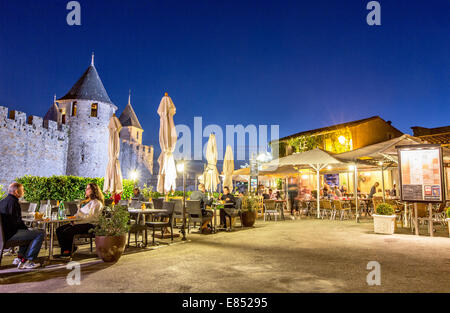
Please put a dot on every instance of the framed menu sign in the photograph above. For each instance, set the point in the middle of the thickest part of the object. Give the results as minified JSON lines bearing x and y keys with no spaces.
{"x":421,"y":173}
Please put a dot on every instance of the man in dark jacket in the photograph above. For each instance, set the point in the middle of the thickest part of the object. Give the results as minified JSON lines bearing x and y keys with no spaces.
{"x":230,"y":203}
{"x":201,"y":195}
{"x":204,"y":201}
{"x":15,"y":229}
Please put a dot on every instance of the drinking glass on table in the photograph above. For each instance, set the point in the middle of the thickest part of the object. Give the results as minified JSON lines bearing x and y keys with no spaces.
{"x":54,"y":216}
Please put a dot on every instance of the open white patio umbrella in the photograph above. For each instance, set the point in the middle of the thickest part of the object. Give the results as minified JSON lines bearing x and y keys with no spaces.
{"x":167,"y":139}
{"x":211,"y":175}
{"x":228,"y":168}
{"x":317,"y":158}
{"x":113,"y":177}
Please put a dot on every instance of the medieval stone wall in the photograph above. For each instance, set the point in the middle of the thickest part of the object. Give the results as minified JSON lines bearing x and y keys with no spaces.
{"x":136,"y":157}
{"x":30,"y":146}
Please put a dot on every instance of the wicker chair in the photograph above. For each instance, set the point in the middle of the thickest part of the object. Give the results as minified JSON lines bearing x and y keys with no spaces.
{"x":270,"y":208}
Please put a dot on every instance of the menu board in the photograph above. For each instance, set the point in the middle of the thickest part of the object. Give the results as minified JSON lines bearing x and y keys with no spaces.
{"x":332,"y":179}
{"x":421,"y":177}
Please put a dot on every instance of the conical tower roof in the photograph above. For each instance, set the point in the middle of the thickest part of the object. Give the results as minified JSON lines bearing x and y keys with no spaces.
{"x":128,"y":117}
{"x":88,"y":87}
{"x":52,"y":113}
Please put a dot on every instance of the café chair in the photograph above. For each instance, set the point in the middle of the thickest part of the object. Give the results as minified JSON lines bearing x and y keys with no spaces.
{"x":341,"y":208}
{"x":168,"y":215}
{"x":137,"y":227}
{"x":270,"y":208}
{"x":135,"y":204}
{"x":6,"y":244}
{"x":194,"y":212}
{"x":178,"y":210}
{"x":325,"y":205}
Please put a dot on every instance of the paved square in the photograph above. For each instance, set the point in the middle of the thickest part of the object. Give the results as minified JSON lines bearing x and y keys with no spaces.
{"x":305,"y":255}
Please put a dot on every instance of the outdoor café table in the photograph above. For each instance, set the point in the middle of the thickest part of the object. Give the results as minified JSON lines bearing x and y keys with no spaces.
{"x":52,"y":224}
{"x":366,"y":203}
{"x":144,"y":214}
{"x":216,"y":206}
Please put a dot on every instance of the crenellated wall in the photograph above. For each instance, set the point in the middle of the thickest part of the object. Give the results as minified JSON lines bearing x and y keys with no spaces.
{"x":30,"y":146}
{"x":136,"y":157}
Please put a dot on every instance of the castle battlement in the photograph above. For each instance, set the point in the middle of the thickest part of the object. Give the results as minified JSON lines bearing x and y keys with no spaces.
{"x":21,"y":123}
{"x":140,"y":149}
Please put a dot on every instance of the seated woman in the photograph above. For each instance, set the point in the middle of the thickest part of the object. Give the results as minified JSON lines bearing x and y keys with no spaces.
{"x":87,"y":215}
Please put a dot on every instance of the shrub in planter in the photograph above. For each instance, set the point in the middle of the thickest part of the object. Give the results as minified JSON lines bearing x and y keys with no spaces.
{"x":111,"y":232}
{"x":384,"y":219}
{"x":384,"y":209}
{"x":249,"y":209}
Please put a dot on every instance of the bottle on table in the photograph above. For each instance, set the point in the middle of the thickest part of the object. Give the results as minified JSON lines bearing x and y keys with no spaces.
{"x":61,"y":211}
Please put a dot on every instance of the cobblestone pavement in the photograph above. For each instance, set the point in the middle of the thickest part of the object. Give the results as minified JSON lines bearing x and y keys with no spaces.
{"x":304,"y":255}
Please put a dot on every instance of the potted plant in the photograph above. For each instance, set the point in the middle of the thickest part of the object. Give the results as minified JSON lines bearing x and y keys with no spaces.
{"x":384,"y":219}
{"x":111,"y":232}
{"x":249,"y":209}
{"x":448,"y":220}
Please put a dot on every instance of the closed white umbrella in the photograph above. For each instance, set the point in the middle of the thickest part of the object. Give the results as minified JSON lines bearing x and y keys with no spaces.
{"x":228,"y":168}
{"x":113,"y":177}
{"x":211,"y":175}
{"x":167,"y":140}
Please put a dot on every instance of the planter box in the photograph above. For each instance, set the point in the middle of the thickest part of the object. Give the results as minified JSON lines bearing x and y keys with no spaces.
{"x":384,"y":224}
{"x":448,"y":225}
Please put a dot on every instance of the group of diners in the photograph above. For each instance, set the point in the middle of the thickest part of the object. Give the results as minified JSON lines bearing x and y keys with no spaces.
{"x":229,"y":202}
{"x":15,"y":229}
{"x":328,"y":192}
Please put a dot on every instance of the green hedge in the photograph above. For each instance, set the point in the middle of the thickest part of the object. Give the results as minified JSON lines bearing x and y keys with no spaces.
{"x":65,"y":188}
{"x":2,"y":193}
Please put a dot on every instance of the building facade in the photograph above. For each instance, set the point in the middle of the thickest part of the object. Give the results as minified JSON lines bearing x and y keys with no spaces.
{"x":437,"y":135}
{"x":339,"y":138}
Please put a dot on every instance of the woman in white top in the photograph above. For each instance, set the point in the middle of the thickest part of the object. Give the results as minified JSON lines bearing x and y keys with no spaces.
{"x":87,"y":214}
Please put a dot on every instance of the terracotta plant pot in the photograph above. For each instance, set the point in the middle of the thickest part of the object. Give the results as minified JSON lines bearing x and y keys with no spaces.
{"x":110,"y":248}
{"x":248,"y":218}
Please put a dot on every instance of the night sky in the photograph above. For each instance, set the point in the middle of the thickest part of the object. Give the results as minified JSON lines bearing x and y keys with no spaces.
{"x":299,"y":64}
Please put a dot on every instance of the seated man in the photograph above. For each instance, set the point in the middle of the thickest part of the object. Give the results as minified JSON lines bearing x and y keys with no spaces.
{"x":15,"y":229}
{"x":137,"y":195}
{"x":204,"y":201}
{"x":230,"y":202}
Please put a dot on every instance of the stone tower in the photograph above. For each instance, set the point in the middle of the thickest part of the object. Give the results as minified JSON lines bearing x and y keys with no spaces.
{"x":131,"y":128}
{"x":86,"y":109}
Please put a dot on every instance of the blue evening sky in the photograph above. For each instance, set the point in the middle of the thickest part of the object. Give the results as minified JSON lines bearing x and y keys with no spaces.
{"x":299,"y":64}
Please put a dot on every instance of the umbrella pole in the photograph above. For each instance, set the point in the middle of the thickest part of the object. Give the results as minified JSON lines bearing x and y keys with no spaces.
{"x":183,"y":230}
{"x":382,"y":183}
{"x":318,"y":190}
{"x":355,"y":184}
